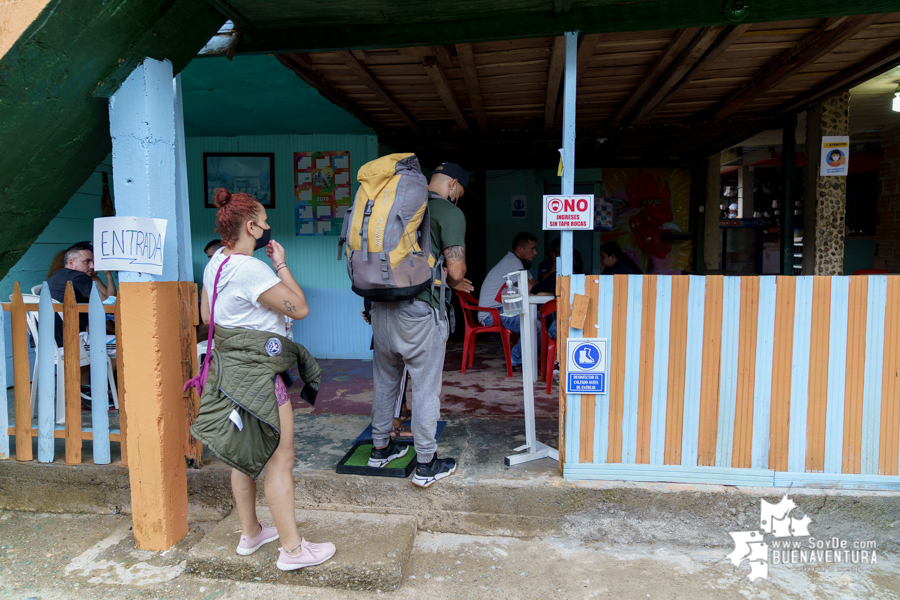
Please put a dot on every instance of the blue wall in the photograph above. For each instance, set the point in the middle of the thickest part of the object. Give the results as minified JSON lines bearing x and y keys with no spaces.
{"x":333,"y":328}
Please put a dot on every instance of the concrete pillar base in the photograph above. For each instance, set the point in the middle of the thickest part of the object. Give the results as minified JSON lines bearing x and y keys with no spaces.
{"x":152,"y":322}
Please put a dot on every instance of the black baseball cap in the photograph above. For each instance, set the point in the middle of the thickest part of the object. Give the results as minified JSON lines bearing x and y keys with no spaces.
{"x":456,"y":172}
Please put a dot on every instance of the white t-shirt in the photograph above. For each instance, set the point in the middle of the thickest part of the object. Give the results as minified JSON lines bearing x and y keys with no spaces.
{"x":496,"y":279}
{"x":242,"y":281}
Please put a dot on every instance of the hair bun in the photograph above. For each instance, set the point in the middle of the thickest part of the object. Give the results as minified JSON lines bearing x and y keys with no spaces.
{"x":221,"y":197}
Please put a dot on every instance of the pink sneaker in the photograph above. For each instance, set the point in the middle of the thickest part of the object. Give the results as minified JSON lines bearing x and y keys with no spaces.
{"x":250,"y":545}
{"x":309,"y":556}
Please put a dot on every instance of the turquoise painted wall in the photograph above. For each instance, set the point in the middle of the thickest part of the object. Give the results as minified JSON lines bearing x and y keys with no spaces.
{"x":333,"y":328}
{"x":256,"y":95}
{"x":858,"y":254}
{"x":74,"y":223}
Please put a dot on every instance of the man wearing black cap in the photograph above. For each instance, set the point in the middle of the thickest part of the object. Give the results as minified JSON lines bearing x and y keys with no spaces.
{"x":408,"y":334}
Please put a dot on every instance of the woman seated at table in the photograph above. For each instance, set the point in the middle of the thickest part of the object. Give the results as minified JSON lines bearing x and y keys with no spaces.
{"x":547,"y":287}
{"x":616,"y":262}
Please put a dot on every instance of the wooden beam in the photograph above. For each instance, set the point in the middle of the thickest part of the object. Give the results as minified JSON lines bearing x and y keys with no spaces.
{"x":746,"y":127}
{"x":443,"y":56}
{"x":359,"y":54}
{"x":304,"y":71}
{"x":678,"y":43}
{"x":369,"y":79}
{"x":875,"y":65}
{"x":430,"y":63}
{"x":240,"y":21}
{"x":689,"y":63}
{"x":586,"y":46}
{"x":810,"y":48}
{"x":470,"y":75}
{"x":554,"y":77}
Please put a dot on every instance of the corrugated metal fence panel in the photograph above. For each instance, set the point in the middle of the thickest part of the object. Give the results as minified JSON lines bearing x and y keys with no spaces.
{"x":788,"y":389}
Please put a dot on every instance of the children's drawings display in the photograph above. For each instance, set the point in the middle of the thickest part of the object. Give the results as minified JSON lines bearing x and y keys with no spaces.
{"x":322,"y":189}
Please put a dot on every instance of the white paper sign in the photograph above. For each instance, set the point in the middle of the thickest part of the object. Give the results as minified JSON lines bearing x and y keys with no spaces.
{"x":568,"y":212}
{"x":129,"y":244}
{"x":835,"y":156}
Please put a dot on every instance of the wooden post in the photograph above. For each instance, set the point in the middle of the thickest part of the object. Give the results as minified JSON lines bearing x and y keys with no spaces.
{"x":193,"y":450}
{"x":563,"y":311}
{"x":72,"y":366}
{"x":788,"y":161}
{"x":153,"y":390}
{"x":4,"y":414}
{"x":21,"y":379}
{"x":120,"y":388}
{"x":46,"y":378}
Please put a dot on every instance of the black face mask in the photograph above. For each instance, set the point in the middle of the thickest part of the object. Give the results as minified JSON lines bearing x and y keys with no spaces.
{"x":263,"y":241}
{"x":526,"y":264}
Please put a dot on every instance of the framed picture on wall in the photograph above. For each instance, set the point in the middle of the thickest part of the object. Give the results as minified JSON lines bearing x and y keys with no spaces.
{"x":247,"y":172}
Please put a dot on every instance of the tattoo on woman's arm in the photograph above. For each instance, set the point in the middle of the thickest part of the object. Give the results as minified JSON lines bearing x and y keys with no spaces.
{"x":290,"y":307}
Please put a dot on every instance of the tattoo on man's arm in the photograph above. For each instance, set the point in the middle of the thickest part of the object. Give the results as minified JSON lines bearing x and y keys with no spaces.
{"x":290,"y":307}
{"x":455,"y":253}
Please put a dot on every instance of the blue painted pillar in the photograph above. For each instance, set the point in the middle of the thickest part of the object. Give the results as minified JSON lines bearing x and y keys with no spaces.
{"x":568,"y":178}
{"x":149,"y":176}
{"x":182,"y":210}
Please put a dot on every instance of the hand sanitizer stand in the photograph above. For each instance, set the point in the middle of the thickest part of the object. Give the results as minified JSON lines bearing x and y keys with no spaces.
{"x":533,"y":448}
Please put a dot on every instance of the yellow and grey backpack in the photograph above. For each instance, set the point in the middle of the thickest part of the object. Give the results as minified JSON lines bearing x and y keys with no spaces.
{"x":388,"y":231}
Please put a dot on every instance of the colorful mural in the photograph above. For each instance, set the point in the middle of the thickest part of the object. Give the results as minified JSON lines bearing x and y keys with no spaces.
{"x":649,"y":206}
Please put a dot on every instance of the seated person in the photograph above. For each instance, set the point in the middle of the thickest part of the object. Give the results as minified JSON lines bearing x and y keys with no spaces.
{"x":616,"y":262}
{"x":547,"y":287}
{"x":524,"y":249}
{"x":548,"y":265}
{"x":211,"y":248}
{"x":79,"y":269}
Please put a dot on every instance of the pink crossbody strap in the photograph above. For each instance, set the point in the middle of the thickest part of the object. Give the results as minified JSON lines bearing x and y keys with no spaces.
{"x":197,"y":382}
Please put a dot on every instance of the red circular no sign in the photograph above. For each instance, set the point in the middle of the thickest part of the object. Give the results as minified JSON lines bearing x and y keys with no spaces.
{"x":555,"y":205}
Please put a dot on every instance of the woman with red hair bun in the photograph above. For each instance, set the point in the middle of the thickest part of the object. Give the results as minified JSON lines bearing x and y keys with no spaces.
{"x":247,"y":302}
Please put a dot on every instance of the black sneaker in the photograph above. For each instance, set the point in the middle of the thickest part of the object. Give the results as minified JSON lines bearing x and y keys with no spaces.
{"x":382,"y":456}
{"x":438,"y":468}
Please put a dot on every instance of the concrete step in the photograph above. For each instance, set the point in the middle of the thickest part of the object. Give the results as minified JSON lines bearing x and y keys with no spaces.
{"x":372,"y":551}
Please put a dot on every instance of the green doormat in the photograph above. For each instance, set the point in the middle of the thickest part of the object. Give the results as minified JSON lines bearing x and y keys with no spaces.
{"x":355,"y":462}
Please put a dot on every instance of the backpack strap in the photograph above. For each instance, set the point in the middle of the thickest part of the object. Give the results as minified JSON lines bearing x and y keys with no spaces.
{"x":197,"y":382}
{"x":364,"y":245}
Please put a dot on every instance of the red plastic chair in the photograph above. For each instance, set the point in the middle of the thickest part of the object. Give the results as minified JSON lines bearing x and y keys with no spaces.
{"x":548,"y":344}
{"x":871,"y":272}
{"x":470,"y":310}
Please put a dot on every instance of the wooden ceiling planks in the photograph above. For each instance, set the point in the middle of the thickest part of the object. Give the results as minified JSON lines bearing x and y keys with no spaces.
{"x":626,"y":80}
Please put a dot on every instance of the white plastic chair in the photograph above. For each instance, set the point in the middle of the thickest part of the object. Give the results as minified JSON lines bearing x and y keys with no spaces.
{"x":31,"y":319}
{"x":36,"y":290}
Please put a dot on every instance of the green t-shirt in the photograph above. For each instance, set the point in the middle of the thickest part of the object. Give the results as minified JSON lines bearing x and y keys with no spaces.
{"x":448,"y":228}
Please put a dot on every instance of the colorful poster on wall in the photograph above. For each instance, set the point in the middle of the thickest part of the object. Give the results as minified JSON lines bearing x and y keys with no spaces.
{"x":322,"y":191}
{"x":650,"y":207}
{"x":835,"y":156}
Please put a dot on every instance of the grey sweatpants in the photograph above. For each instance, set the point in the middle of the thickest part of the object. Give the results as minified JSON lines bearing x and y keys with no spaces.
{"x":406,"y":333}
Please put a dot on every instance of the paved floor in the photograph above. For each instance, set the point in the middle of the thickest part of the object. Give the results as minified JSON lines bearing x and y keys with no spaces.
{"x":89,"y":556}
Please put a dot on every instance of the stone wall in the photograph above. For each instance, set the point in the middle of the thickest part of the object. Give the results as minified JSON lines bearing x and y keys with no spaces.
{"x":831,"y":205}
{"x":887,"y":228}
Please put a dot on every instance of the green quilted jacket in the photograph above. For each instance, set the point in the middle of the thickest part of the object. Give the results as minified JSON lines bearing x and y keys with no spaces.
{"x":238,"y":417}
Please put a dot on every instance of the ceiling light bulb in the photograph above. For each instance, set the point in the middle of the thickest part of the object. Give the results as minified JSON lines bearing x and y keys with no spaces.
{"x":896,"y":104}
